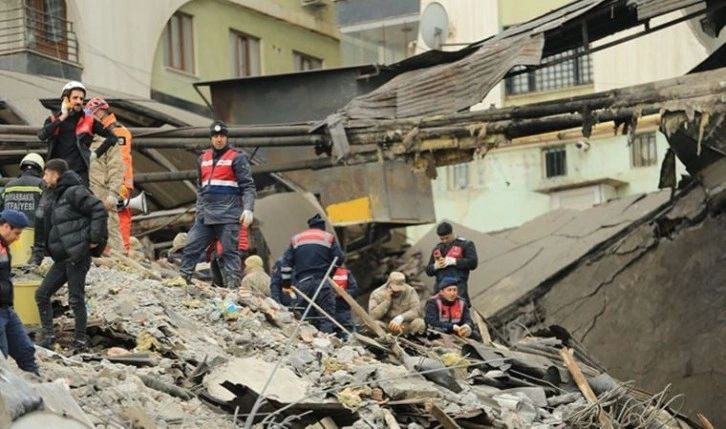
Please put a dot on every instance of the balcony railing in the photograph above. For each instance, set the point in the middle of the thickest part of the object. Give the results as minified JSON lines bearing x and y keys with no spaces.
{"x":26,"y":28}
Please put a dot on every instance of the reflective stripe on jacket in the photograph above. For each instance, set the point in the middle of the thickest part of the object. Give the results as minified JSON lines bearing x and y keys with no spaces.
{"x":219,"y":177}
{"x":340,"y":277}
{"x":450,"y":313}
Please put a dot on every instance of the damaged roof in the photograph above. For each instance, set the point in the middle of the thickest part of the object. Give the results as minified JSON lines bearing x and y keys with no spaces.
{"x":447,"y":87}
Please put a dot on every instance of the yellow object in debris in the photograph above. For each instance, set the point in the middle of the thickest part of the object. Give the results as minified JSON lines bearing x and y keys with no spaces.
{"x":349,"y":212}
{"x":351,"y":398}
{"x":146,"y":342}
{"x":24,"y":302}
{"x":175,"y":282}
{"x":453,"y":359}
{"x":22,"y":248}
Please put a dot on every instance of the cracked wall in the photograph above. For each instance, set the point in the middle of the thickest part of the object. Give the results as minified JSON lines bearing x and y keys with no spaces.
{"x":652,"y":310}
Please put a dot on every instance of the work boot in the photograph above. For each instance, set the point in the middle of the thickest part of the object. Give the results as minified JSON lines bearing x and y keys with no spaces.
{"x":79,"y":347}
{"x":187,"y":279}
{"x":48,"y":342}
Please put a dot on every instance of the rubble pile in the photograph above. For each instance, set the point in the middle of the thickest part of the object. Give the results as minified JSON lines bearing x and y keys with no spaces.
{"x":170,"y":356}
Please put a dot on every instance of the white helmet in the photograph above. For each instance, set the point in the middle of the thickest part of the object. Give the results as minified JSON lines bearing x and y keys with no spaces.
{"x":32,"y":160}
{"x":70,"y":86}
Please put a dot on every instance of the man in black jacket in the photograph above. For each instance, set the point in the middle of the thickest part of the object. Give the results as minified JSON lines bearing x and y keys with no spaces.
{"x":14,"y":339}
{"x":452,"y":257}
{"x":69,"y":133}
{"x":76,"y":225}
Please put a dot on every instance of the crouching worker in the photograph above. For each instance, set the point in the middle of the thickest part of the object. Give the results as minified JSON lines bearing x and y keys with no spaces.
{"x":447,"y":312}
{"x":14,"y":339}
{"x":395,"y":306}
{"x":343,"y":277}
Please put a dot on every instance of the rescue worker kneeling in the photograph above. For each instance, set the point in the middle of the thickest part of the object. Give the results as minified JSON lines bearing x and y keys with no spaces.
{"x":343,"y":277}
{"x":395,"y":306}
{"x":447,"y":312}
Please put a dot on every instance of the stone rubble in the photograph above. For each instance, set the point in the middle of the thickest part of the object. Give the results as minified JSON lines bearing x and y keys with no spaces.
{"x":198,"y":338}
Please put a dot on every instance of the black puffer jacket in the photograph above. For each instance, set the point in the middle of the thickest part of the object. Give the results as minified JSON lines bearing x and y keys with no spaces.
{"x":6,"y":285}
{"x":75,"y":218}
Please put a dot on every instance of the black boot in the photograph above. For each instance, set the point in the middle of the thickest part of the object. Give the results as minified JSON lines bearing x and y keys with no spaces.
{"x":48,"y":342}
{"x":79,"y":347}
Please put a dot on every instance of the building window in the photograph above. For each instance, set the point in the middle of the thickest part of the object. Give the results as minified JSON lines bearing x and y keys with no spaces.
{"x":555,"y":160}
{"x":245,"y":54}
{"x":306,"y":62}
{"x":179,"y":43}
{"x":47,"y":21}
{"x":567,"y":74}
{"x":643,"y":150}
{"x":458,"y":176}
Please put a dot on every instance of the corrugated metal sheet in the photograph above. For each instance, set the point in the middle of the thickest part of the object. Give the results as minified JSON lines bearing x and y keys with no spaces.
{"x":652,"y":8}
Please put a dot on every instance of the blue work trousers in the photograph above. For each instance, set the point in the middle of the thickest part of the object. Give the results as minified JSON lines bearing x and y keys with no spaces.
{"x":199,"y":238}
{"x":325,"y":299}
{"x":15,"y":342}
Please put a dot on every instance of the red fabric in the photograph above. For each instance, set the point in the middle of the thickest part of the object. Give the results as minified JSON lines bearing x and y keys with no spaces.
{"x":124,"y":220}
{"x":455,"y":252}
{"x":313,"y":236}
{"x":340,"y":277}
{"x":452,"y":313}
{"x":84,"y":125}
{"x":221,"y":171}
{"x":243,"y":243}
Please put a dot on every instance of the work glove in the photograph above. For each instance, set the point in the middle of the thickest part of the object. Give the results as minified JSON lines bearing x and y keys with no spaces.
{"x":110,"y":202}
{"x":395,"y":325}
{"x":462,"y":331}
{"x":65,"y":105}
{"x":93,"y":156}
{"x":246,"y":218}
{"x":449,"y":261}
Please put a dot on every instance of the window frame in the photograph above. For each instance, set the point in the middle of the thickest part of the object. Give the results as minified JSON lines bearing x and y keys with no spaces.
{"x":559,"y":168}
{"x":650,"y":140}
{"x":169,"y":51}
{"x":47,"y":39}
{"x":459,"y":176}
{"x":299,"y":59}
{"x":251,"y":70}
{"x":568,"y":74}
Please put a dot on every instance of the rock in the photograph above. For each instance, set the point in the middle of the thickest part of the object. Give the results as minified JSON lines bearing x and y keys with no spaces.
{"x":322,"y":344}
{"x":377,"y":394}
{"x":396,"y":384}
{"x":243,"y":338}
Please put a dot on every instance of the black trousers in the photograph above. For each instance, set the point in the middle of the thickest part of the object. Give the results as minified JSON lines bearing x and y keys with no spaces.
{"x":61,"y":272}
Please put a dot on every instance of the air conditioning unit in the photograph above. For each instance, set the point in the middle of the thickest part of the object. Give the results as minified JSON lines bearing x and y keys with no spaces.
{"x":315,"y":3}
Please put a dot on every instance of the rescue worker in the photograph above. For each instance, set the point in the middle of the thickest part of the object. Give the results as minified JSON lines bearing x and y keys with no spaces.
{"x":106,"y":176}
{"x":448,"y":312}
{"x":395,"y":306}
{"x":225,"y":199}
{"x":69,"y":132}
{"x":309,"y":256}
{"x":75,"y":221}
{"x":452,"y":257}
{"x":344,"y":278}
{"x":214,"y":256}
{"x":14,"y":339}
{"x":255,"y":279}
{"x":284,"y":296}
{"x":23,"y":194}
{"x":112,"y":177}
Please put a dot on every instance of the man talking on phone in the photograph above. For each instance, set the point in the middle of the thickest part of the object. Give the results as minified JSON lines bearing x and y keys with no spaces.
{"x":70,"y":131}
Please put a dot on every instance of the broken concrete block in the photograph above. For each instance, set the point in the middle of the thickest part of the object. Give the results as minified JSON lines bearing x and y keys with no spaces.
{"x":397,"y":383}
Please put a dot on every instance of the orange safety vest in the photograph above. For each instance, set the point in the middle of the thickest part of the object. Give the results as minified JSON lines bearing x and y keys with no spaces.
{"x":313,"y":236}
{"x":340,"y":277}
{"x":219,"y":177}
{"x":450,"y":314}
{"x":84,"y":125}
{"x":124,"y":145}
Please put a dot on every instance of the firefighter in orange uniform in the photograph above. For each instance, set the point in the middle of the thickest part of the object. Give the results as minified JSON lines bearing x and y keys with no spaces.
{"x":344,"y":278}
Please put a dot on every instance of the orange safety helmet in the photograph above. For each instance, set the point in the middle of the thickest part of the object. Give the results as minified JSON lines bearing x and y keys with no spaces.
{"x":95,"y":104}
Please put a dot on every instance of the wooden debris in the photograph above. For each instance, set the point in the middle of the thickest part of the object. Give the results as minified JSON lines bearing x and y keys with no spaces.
{"x":704,"y":421}
{"x":156,"y":384}
{"x":389,"y":419}
{"x":135,"y":265}
{"x":587,"y":392}
{"x":358,"y":310}
{"x":440,"y":416}
{"x":486,"y":338}
{"x":135,"y":359}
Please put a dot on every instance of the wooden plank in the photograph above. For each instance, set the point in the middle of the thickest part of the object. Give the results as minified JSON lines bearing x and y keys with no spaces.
{"x":358,"y":310}
{"x":440,"y":416}
{"x":390,"y":419}
{"x":319,"y":309}
{"x":486,"y":338}
{"x":704,"y":421}
{"x":571,"y":365}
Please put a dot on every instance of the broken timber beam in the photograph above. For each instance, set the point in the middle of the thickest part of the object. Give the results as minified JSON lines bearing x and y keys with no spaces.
{"x":323,"y":312}
{"x":357,"y":309}
{"x":587,"y":392}
{"x":440,"y":416}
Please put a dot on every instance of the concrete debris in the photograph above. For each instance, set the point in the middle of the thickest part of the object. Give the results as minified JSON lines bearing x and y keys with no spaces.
{"x":167,"y":356}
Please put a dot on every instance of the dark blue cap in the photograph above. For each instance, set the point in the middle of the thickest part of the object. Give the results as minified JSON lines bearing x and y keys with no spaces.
{"x":15,"y":218}
{"x":448,"y":281}
{"x":316,"y":220}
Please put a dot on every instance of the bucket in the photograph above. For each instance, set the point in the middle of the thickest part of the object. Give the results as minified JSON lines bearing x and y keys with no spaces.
{"x":21,"y":249}
{"x":25,"y":305}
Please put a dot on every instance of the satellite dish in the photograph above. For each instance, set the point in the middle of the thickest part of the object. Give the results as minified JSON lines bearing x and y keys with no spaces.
{"x":434,"y":25}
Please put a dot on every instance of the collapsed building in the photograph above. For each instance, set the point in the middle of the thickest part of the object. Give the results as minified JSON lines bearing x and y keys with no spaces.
{"x":609,"y":282}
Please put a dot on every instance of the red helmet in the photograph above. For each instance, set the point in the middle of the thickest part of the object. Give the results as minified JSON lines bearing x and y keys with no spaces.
{"x":95,"y":104}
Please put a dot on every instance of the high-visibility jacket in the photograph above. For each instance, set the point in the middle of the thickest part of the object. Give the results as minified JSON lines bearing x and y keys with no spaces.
{"x":23,"y":194}
{"x":340,"y":277}
{"x":463,"y":251}
{"x":219,"y":177}
{"x":83,"y":126}
{"x":310,"y":254}
{"x":450,"y":313}
{"x":124,"y":145}
{"x":6,"y":284}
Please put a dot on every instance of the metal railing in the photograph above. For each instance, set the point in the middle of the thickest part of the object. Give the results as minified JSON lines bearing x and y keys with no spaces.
{"x":27,"y":28}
